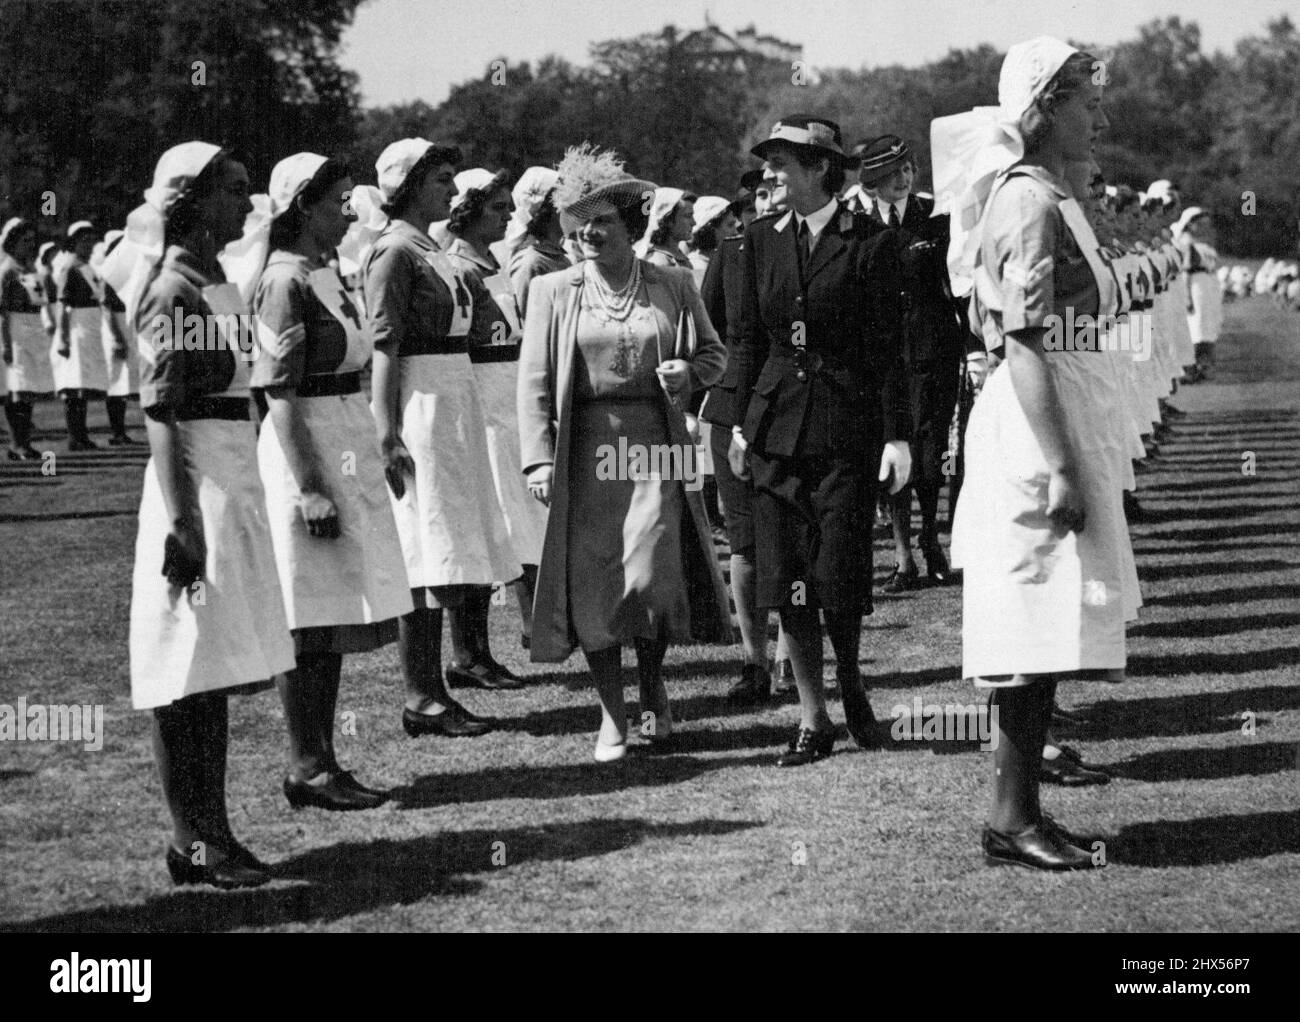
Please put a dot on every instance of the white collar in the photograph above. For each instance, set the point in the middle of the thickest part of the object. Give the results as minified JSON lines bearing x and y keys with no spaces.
{"x":818,"y":219}
{"x":882,"y":207}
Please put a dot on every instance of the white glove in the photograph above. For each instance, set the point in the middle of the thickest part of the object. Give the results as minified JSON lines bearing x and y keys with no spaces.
{"x":896,"y":459}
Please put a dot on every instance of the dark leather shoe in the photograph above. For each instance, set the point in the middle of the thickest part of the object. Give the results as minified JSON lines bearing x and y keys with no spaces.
{"x":82,"y":445}
{"x":331,"y":793}
{"x":481,"y":675}
{"x":859,"y":719}
{"x":753,"y":689}
{"x":227,"y":874}
{"x":784,"y":681}
{"x":348,"y":779}
{"x":453,"y":722}
{"x":808,"y":747}
{"x":123,"y":440}
{"x":936,"y":565}
{"x":1069,"y":773}
{"x":1072,"y":754}
{"x":1064,"y":835}
{"x":1034,"y":848}
{"x":903,"y":580}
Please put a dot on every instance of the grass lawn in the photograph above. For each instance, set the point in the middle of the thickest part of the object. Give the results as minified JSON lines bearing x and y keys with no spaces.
{"x":521,"y":830}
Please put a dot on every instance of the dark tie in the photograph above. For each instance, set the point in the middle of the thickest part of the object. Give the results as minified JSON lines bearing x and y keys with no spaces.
{"x":893,"y":216}
{"x":805,"y":246}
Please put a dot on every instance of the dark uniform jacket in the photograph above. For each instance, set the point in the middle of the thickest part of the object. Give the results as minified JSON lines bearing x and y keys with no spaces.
{"x":721,"y":291}
{"x":934,"y":323}
{"x":819,"y":367}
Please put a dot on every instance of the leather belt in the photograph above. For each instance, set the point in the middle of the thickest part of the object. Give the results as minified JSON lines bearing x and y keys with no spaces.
{"x":330,"y":385}
{"x":413,"y":346}
{"x":486,"y":353}
{"x":233,"y":408}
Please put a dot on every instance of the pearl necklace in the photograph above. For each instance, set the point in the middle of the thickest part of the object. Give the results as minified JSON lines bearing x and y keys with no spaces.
{"x":614,"y":306}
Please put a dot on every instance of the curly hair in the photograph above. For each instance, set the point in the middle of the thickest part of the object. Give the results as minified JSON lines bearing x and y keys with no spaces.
{"x":434,"y":158}
{"x":184,"y":215}
{"x":1074,"y":75}
{"x":288,"y":225}
{"x":471,"y":207}
{"x":664,"y":230}
{"x":546,"y":213}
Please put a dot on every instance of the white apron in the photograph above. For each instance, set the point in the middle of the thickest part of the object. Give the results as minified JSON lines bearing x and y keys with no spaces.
{"x":1205,"y":319}
{"x":525,"y":517}
{"x":359,"y":577}
{"x":450,"y":524}
{"x":85,"y":368}
{"x":1064,"y":599}
{"x":1184,"y":350}
{"x":230,"y":628}
{"x":123,"y":373}
{"x":31,"y":372}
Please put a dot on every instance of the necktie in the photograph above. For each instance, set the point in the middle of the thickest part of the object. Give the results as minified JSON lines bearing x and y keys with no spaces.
{"x":805,"y":245}
{"x":893,"y":216}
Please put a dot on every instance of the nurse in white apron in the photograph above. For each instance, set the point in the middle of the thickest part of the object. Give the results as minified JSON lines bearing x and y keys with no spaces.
{"x":480,"y":215}
{"x":1040,"y":530}
{"x":431,"y":427}
{"x":207,"y":617}
{"x":82,"y":372}
{"x":336,"y":547}
{"x":28,"y":376}
{"x":122,"y":362}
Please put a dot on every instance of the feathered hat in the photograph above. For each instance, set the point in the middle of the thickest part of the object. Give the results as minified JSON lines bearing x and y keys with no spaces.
{"x":592,"y":180}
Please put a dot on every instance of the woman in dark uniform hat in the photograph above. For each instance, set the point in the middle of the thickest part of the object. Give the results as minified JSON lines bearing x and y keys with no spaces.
{"x":822,"y":408}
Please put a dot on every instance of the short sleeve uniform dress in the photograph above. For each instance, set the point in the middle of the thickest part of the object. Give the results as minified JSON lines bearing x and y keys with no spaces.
{"x":123,"y":372}
{"x":22,"y":297}
{"x":228,"y":631}
{"x":84,"y":373}
{"x":1033,"y":601}
{"x":533,"y":260}
{"x":341,"y":595}
{"x":495,"y":335}
{"x":449,"y":521}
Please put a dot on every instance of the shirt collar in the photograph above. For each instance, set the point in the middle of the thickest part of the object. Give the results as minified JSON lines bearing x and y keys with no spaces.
{"x":818,"y":219}
{"x":882,"y":207}
{"x":462,"y":248}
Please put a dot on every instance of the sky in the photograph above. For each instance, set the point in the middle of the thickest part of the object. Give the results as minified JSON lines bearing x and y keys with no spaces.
{"x":417,"y":49}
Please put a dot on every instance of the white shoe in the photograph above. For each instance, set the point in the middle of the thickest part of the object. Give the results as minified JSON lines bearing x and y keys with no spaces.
{"x":610,"y":753}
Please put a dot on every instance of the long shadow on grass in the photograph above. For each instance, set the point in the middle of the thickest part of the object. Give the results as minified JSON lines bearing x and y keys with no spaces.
{"x":1195,"y":535}
{"x":65,"y":516}
{"x":1171,"y":716}
{"x":350,"y":878}
{"x":1229,"y":597}
{"x":1207,"y":841}
{"x":640,"y":769}
{"x":1200,"y":627}
{"x":1146,"y":551}
{"x":1158,"y":573}
{"x":1241,"y":508}
{"x":1247,"y":758}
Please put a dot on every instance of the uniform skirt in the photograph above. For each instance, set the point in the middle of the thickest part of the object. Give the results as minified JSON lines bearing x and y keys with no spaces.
{"x":525,"y":517}
{"x":1033,"y":601}
{"x":449,"y":522}
{"x":85,"y":370}
{"x":812,"y":531}
{"x":625,"y":574}
{"x":229,"y":630}
{"x":31,"y":375}
{"x":123,"y":373}
{"x":358,"y":579}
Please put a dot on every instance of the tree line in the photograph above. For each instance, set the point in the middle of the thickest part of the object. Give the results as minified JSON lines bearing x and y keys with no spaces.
{"x":94,"y":91}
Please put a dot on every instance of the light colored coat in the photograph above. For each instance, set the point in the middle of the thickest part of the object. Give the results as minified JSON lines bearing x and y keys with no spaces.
{"x":545,"y":396}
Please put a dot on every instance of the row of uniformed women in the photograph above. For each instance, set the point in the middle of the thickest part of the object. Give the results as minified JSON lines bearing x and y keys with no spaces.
{"x":61,"y":329}
{"x":278,"y":573}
